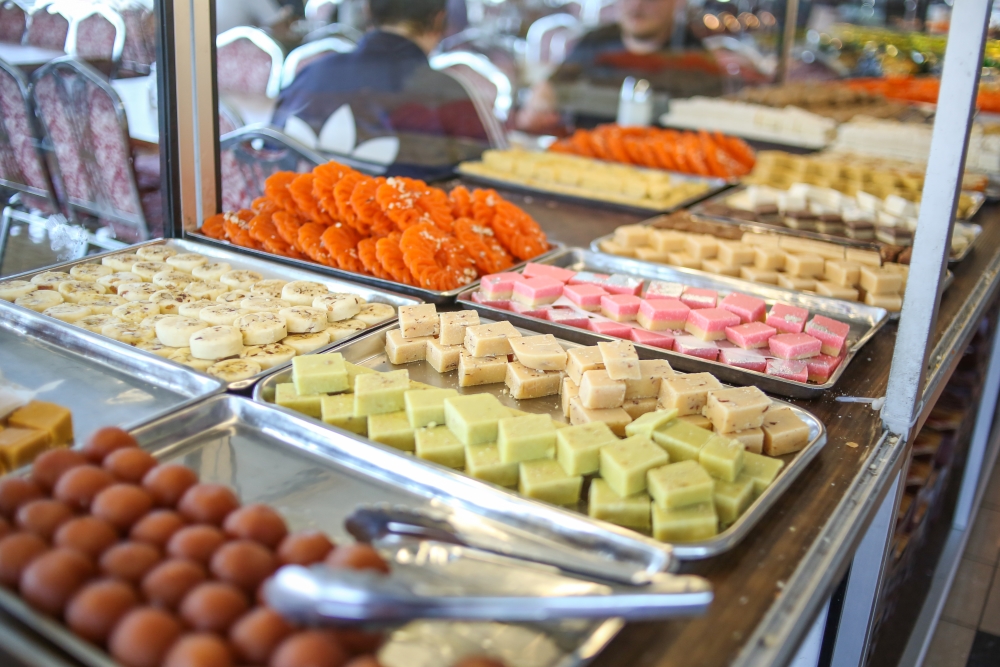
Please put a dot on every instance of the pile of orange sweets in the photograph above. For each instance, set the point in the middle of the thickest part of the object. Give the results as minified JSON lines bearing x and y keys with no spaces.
{"x":700,"y":153}
{"x":398,"y":229}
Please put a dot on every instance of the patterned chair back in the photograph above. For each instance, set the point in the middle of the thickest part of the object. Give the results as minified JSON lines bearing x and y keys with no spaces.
{"x":248,"y":61}
{"x":22,"y":163}
{"x":550,"y":38}
{"x":48,"y":28}
{"x":96,"y":33}
{"x":251,"y":154}
{"x":86,"y":130}
{"x":13,"y":21}
{"x":139,"y":50}
{"x":307,"y":53}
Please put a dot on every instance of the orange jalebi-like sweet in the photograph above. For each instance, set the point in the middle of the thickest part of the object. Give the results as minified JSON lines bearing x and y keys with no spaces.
{"x":461,"y":202}
{"x":265,"y":232}
{"x":342,"y":192}
{"x":327,"y":177}
{"x":342,"y":243}
{"x":261,"y":203}
{"x":276,"y":189}
{"x":487,"y":252}
{"x":369,"y":257}
{"x":214,"y":227}
{"x":390,"y":256}
{"x":435,"y":258}
{"x":302,"y":192}
{"x":518,"y":232}
{"x":484,"y":206}
{"x":409,"y":202}
{"x":310,"y":242}
{"x":288,"y":225}
{"x":237,"y":226}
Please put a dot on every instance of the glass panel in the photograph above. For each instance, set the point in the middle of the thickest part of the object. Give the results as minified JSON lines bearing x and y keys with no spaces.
{"x":79,"y":129}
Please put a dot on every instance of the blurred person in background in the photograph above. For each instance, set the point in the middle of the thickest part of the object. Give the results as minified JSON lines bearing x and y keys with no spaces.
{"x":650,"y":41}
{"x":256,"y":13}
{"x":391,"y":90}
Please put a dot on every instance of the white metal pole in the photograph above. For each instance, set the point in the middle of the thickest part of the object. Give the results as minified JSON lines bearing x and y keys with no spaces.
{"x":932,"y":242}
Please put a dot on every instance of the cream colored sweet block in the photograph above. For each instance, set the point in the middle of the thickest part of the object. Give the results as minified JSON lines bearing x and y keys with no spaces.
{"x":542,"y":353}
{"x":474,"y":371}
{"x":620,"y":359}
{"x":399,"y":350}
{"x":443,"y":358}
{"x":490,"y":340}
{"x":736,"y":409}
{"x":419,"y":321}
{"x":599,"y":391}
{"x":454,"y":324}
{"x":653,"y":372}
{"x":687,"y":394}
{"x":616,"y":418}
{"x":582,"y":359}
{"x":525,"y":383}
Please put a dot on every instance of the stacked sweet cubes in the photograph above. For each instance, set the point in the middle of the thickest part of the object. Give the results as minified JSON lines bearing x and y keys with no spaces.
{"x":734,"y":329}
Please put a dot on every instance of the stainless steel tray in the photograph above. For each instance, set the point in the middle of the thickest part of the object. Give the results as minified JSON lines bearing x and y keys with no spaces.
{"x":716,"y":185}
{"x":750,"y":225}
{"x":265,"y":266}
{"x":864,"y":320}
{"x":101,"y":381}
{"x":316,"y":479}
{"x":430,"y":296}
{"x":369,"y":351}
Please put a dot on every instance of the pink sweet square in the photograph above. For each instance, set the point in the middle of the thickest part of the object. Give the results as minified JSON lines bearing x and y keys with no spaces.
{"x":794,"y":346}
{"x":696,"y":347}
{"x":710,"y":323}
{"x":566,"y":316}
{"x":479,"y":297}
{"x":588,"y":278}
{"x":821,"y":367}
{"x":749,"y":359}
{"x":787,"y":319}
{"x":532,"y":270}
{"x":620,"y":307}
{"x":661,"y":289}
{"x":528,"y":311}
{"x":749,"y":308}
{"x":610,"y":328}
{"x":586,"y":296}
{"x":697,"y":297}
{"x":652,"y":338}
{"x":789,"y":370}
{"x":498,"y":286}
{"x":832,"y":333}
{"x":616,"y":283}
{"x":750,"y":336}
{"x":537,"y":291}
{"x":662,"y":314}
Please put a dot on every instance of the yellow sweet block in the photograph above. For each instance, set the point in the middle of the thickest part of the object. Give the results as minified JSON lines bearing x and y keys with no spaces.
{"x":627,"y":511}
{"x":733,"y":498}
{"x":20,"y":446}
{"x":474,"y":419}
{"x":833,"y":290}
{"x":719,"y":268}
{"x":393,"y":429}
{"x":686,"y":524}
{"x":734,"y":253}
{"x":620,"y":360}
{"x":736,"y":409}
{"x":483,"y":462}
{"x":582,"y":359}
{"x":636,"y":407}
{"x":845,"y":274}
{"x":540,"y":353}
{"x":578,"y":448}
{"x":490,"y":340}
{"x":544,"y":479}
{"x":879,"y":281}
{"x":680,"y":485}
{"x":701,"y":421}
{"x":338,"y":410}
{"x":525,"y":383}
{"x":784,"y":433}
{"x":649,"y":422}
{"x":353,"y":371}
{"x":380,"y":393}
{"x":526,"y":438}
{"x":795,"y":283}
{"x":419,"y":321}
{"x":624,"y":464}
{"x":475,"y":371}
{"x":439,"y":444}
{"x":319,"y":374}
{"x":804,"y":266}
{"x":443,"y":358}
{"x":681,"y":440}
{"x":753,"y":274}
{"x":425,"y":407}
{"x":616,"y":418}
{"x":891,"y":302}
{"x":54,"y":420}
{"x":763,"y":470}
{"x":598,"y":391}
{"x":701,"y":246}
{"x":454,"y":324}
{"x":722,"y":457}
{"x":568,"y":392}
{"x":632,"y":236}
{"x":768,"y":259}
{"x":752,"y":439}
{"x":653,"y":372}
{"x":286,"y":396}
{"x":687,"y":394}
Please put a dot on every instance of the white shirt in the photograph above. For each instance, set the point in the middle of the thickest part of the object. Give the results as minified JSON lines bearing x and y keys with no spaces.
{"x":233,"y":13}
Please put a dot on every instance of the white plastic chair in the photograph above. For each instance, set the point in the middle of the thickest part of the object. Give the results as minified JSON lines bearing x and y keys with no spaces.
{"x":232,"y":61}
{"x":549,"y":37}
{"x":485,"y":72}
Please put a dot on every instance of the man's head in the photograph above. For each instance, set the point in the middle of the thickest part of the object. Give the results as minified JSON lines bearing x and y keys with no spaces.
{"x":417,"y":17}
{"x":647,"y":19}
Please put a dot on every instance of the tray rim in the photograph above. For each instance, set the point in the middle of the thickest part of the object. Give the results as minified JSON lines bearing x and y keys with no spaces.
{"x":794,"y":389}
{"x":238,"y":385}
{"x":722,"y":543}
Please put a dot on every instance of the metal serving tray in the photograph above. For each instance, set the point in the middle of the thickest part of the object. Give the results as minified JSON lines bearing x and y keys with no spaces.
{"x":101,"y":381}
{"x":715,"y":186}
{"x":316,"y":479}
{"x":427,"y":295}
{"x":750,"y":225}
{"x":864,"y":320}
{"x":265,"y":266}
{"x":369,"y":351}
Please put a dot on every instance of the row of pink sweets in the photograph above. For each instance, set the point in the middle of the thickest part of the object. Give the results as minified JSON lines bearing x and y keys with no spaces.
{"x":736,"y":329}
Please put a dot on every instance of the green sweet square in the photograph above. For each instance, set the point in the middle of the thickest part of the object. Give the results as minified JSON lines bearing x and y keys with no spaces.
{"x":440,"y":445}
{"x":286,"y":396}
{"x":628,"y":511}
{"x":544,"y":479}
{"x":683,"y":441}
{"x":732,"y":498}
{"x":526,"y":438}
{"x":685,"y":524}
{"x":763,"y":470}
{"x":649,"y":422}
{"x":680,"y":484}
{"x":393,"y":429}
{"x":339,"y":411}
{"x":722,"y":457}
{"x":473,"y":419}
{"x":578,"y":448}
{"x":483,"y":462}
{"x":426,"y":406}
{"x":624,"y":464}
{"x":380,"y":393}
{"x":319,"y":374}
{"x":353,"y":371}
